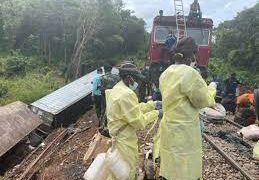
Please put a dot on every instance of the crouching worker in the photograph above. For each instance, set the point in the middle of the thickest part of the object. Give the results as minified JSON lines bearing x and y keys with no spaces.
{"x":184,"y":93}
{"x":126,"y":115}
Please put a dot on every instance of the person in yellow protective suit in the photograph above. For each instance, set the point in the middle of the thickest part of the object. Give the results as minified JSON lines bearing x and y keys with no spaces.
{"x":184,"y":93}
{"x":123,"y":109}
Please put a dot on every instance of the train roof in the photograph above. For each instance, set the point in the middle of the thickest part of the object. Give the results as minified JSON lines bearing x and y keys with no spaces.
{"x":66,"y":96}
{"x":193,"y":22}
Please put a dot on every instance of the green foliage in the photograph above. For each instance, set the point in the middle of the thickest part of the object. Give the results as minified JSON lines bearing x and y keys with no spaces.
{"x":235,"y":47}
{"x":219,"y":67}
{"x":50,"y":29}
{"x":29,"y":88}
{"x":25,"y":79}
{"x":43,"y":37}
{"x":3,"y":91}
{"x":15,"y":66}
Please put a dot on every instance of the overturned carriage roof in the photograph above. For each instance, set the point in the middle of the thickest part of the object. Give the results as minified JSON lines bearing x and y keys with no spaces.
{"x":16,"y":122}
{"x":66,"y":96}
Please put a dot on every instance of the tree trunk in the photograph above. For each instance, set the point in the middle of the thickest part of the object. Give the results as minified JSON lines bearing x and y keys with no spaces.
{"x":49,"y":53}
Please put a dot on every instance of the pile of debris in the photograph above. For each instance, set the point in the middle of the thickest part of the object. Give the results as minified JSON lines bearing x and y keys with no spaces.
{"x":17,"y":127}
{"x":61,"y":157}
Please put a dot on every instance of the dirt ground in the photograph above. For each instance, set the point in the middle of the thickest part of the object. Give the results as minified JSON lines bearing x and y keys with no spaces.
{"x":67,"y":162}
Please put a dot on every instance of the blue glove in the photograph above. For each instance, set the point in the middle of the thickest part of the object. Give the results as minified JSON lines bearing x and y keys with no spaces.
{"x":158,"y":105}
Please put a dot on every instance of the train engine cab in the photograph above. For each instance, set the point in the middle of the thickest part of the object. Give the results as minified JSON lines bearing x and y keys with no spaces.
{"x":199,"y":29}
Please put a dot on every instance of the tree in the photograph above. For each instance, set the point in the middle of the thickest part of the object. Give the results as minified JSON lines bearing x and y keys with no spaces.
{"x":236,"y":42}
{"x":87,"y":29}
{"x":71,"y":33}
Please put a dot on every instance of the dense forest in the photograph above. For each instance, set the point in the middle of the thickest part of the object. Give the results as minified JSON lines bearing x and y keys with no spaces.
{"x":47,"y":43}
{"x":236,"y":47}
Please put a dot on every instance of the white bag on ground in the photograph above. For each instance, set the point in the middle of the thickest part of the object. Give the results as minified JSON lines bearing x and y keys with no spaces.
{"x":98,"y":169}
{"x":106,"y":164}
{"x":250,"y":132}
{"x":218,"y":112}
{"x":109,"y":163}
{"x":117,"y":165}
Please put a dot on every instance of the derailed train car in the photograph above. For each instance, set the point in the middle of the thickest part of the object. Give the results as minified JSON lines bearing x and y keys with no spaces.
{"x":66,"y":104}
{"x":19,"y":121}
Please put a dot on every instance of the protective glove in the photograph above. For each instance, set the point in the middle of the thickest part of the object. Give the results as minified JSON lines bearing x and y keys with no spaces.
{"x":213,"y":84}
{"x":158,"y":105}
{"x":160,"y":115}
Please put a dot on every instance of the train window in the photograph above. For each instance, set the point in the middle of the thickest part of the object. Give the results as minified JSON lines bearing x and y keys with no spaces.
{"x":201,"y":36}
{"x":161,"y":32}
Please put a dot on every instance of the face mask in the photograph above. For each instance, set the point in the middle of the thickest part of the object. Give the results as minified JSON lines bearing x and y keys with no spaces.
{"x":134,"y":86}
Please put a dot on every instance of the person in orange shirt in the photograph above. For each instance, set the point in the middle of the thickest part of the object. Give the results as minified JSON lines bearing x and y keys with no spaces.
{"x":245,"y":109}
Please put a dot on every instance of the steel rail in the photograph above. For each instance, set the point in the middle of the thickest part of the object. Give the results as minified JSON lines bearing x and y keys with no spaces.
{"x":229,"y":159}
{"x":234,"y":123}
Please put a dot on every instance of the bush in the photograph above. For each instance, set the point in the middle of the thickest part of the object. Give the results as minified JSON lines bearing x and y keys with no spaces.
{"x":25,"y":79}
{"x":3,"y":91}
{"x":15,"y":66}
{"x":223,"y":69}
{"x":29,"y":88}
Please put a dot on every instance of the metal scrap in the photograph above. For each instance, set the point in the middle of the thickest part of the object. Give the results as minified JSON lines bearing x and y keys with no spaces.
{"x":16,"y":122}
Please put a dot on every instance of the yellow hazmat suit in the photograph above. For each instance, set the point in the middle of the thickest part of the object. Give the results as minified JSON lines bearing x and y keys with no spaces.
{"x":123,"y":108}
{"x":184,"y":93}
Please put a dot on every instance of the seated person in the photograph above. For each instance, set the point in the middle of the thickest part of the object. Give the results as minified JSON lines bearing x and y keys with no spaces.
{"x":195,"y":10}
{"x":245,"y":109}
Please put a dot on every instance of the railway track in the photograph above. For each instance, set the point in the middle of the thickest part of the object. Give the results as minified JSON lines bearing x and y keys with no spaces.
{"x":215,"y":166}
{"x":238,"y":152}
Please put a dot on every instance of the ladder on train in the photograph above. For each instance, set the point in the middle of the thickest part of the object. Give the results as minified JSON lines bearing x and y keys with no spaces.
{"x":180,"y":19}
